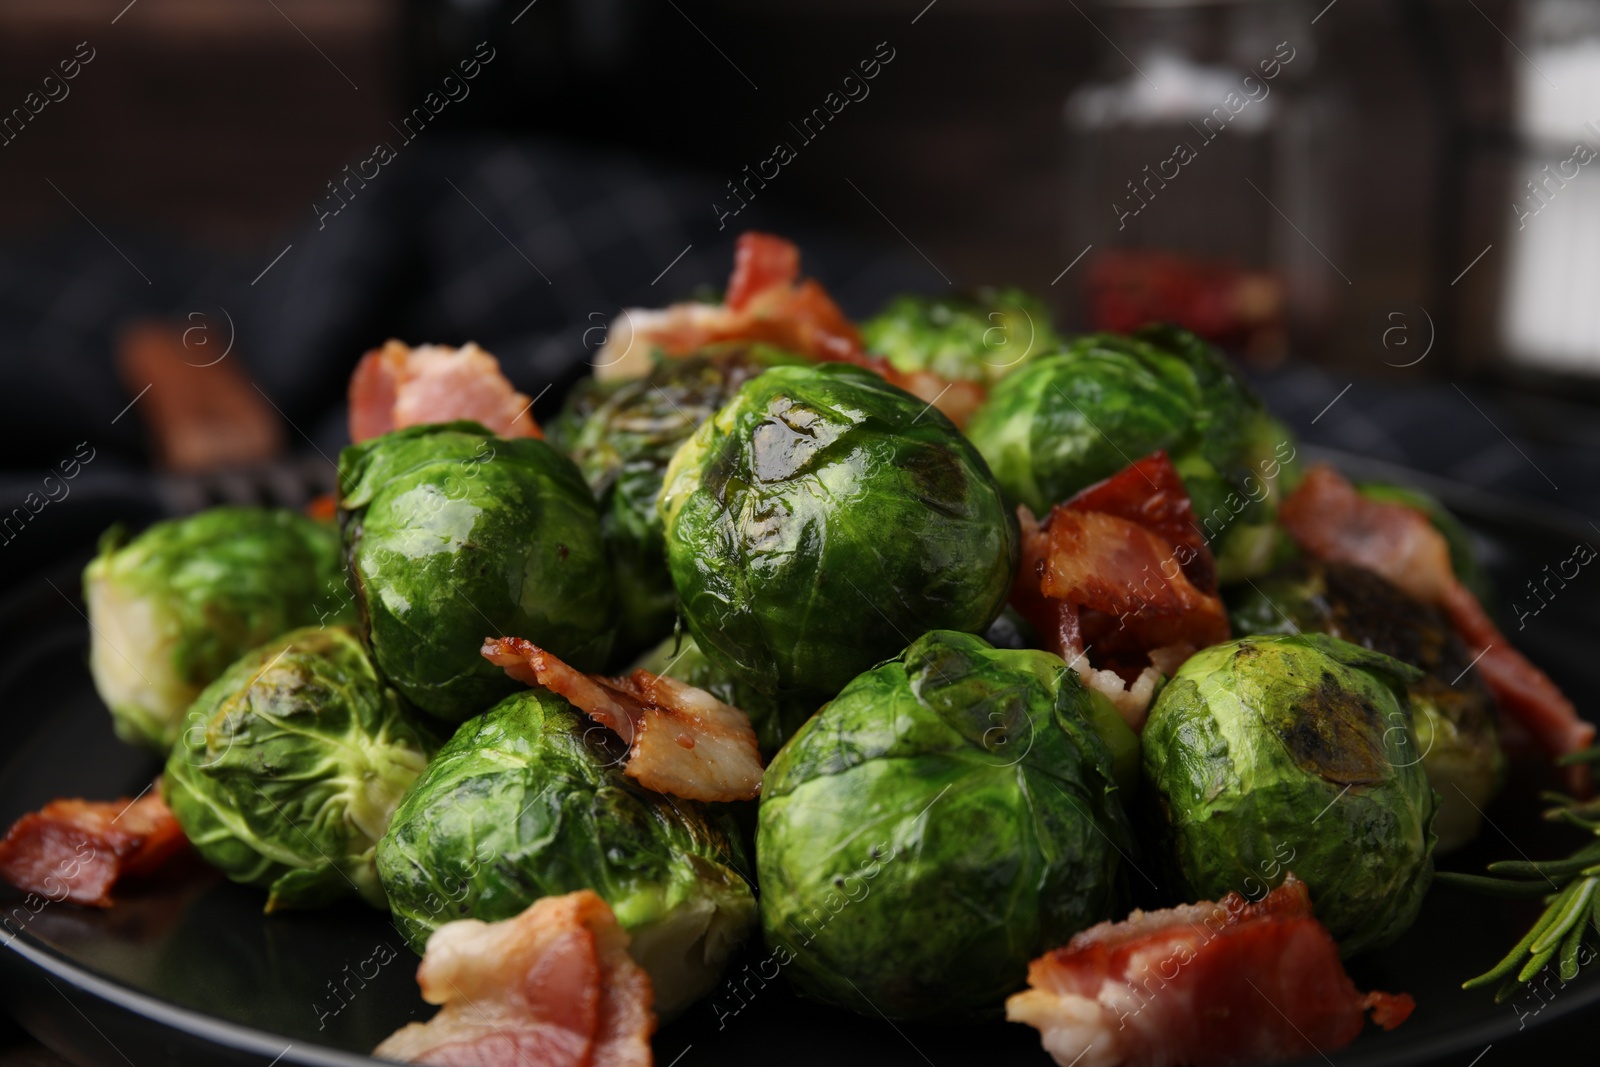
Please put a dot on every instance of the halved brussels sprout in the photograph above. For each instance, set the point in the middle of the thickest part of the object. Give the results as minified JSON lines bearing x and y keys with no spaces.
{"x":775,"y":719}
{"x":529,"y":800}
{"x":1454,"y":716}
{"x":824,"y":518}
{"x":622,"y":448}
{"x":1271,"y":754}
{"x":1079,"y":415}
{"x":455,"y":535}
{"x":946,"y":818}
{"x":170,"y":609}
{"x":979,"y":337}
{"x":290,"y":765}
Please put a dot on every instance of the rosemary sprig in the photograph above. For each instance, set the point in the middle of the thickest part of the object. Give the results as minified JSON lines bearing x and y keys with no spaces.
{"x":1569,"y":887}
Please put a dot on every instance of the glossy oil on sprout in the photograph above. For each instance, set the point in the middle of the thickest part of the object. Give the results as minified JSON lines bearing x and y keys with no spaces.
{"x":821,"y":520}
{"x":453,"y":535}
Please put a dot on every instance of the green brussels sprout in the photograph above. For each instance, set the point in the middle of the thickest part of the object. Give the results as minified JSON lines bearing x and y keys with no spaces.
{"x":823,"y":518}
{"x":946,"y":818}
{"x":1271,"y":754}
{"x":1071,"y":418}
{"x":623,"y":447}
{"x":170,"y":609}
{"x":775,"y":718}
{"x":1454,"y":715}
{"x":582,"y":400}
{"x":290,"y":765}
{"x":453,"y":535}
{"x":1463,"y":559}
{"x":529,"y":800}
{"x":981,"y":337}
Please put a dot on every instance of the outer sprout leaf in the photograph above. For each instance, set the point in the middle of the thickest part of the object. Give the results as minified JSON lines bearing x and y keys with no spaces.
{"x":290,"y":765}
{"x":170,"y":609}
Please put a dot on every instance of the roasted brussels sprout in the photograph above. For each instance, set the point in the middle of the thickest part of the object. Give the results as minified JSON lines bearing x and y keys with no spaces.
{"x":290,"y":764}
{"x":529,"y":800}
{"x":623,"y":447}
{"x":823,"y":518}
{"x":1271,"y":754}
{"x":981,"y":337}
{"x":453,"y":535}
{"x":947,"y":817}
{"x":775,"y":719}
{"x":1454,"y":716}
{"x":1463,"y":559}
{"x":1076,"y":416}
{"x":582,"y":401}
{"x":170,"y":609}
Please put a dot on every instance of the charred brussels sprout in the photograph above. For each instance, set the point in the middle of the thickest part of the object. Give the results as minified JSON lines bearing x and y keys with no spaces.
{"x":622,"y":448}
{"x":529,"y":800}
{"x":290,"y":765}
{"x":981,"y":337}
{"x":1454,"y":716}
{"x":1074,"y":417}
{"x":823,"y":518}
{"x":775,"y":720}
{"x":583,"y":400}
{"x":946,"y":818}
{"x":170,"y":609}
{"x":1272,"y":754}
{"x":453,"y":535}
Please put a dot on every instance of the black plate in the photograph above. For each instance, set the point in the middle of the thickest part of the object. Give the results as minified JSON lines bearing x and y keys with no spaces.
{"x":190,"y":971}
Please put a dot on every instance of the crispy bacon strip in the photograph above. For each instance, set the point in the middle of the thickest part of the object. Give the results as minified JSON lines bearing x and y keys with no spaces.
{"x":761,"y":263}
{"x":1122,"y":570}
{"x":398,"y":386}
{"x":1204,"y":984}
{"x":1151,"y":493}
{"x":768,"y":301}
{"x":553,"y":987}
{"x":79,"y":850}
{"x":1333,"y":521}
{"x":682,"y":740}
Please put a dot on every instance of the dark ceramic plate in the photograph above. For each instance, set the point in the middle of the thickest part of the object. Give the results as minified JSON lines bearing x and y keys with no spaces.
{"x":190,"y":971}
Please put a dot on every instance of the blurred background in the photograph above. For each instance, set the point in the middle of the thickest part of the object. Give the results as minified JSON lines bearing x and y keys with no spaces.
{"x":210,"y":208}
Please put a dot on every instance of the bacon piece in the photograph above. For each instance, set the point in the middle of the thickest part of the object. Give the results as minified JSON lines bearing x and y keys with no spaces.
{"x":552,"y":987}
{"x":767,"y":301}
{"x":323,"y":508}
{"x":1122,"y":570}
{"x":682,"y":740}
{"x":397,"y":386}
{"x":1203,"y":984}
{"x":79,"y":850}
{"x":1150,"y":492}
{"x":761,"y":262}
{"x":1113,"y":566}
{"x":1333,"y":521}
